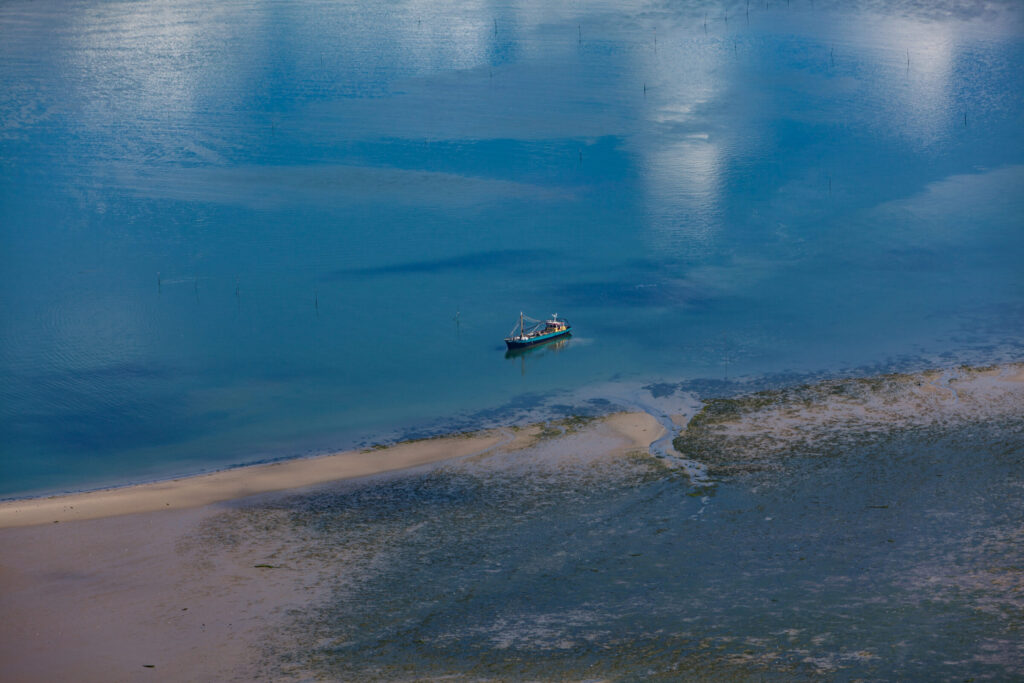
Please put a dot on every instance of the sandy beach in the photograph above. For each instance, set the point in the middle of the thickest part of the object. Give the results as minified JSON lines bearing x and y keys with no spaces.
{"x":190,"y":492}
{"x":121,"y":589}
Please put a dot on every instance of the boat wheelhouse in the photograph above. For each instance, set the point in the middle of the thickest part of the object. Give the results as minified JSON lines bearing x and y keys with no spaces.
{"x":538,"y":332}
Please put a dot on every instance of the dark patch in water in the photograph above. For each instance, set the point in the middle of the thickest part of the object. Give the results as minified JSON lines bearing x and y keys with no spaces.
{"x":508,"y":413}
{"x":520,"y":259}
{"x":631,"y":293}
{"x":123,"y":426}
{"x":110,"y":372}
{"x":600,"y":404}
{"x":661,"y":389}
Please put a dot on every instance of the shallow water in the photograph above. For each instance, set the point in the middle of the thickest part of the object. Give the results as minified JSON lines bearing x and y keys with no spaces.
{"x":254,"y":229}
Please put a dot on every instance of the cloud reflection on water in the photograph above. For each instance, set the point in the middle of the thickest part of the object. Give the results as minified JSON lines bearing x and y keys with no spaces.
{"x":771,"y":175}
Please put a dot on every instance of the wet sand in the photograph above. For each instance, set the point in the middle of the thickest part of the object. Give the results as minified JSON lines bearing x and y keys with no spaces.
{"x":190,"y":492}
{"x":119,"y":589}
{"x":760,"y":428}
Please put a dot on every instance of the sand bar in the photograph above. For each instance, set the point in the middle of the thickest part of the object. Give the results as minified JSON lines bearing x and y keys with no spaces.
{"x":638,"y":430}
{"x":135,"y":589}
{"x":195,"y":491}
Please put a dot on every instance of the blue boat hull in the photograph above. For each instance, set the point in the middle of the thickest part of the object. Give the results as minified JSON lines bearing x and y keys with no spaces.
{"x":542,"y":339}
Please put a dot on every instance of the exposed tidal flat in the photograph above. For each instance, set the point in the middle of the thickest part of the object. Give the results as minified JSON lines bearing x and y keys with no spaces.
{"x":849,"y":529}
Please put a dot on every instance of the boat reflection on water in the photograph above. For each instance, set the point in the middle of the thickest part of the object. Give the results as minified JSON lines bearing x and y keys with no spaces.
{"x":538,"y":351}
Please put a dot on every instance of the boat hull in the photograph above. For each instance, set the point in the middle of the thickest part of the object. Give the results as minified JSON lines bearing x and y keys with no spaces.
{"x":540,"y":339}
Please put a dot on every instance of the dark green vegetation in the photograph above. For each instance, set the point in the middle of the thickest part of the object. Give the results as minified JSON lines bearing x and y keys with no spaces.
{"x":760,"y":430}
{"x":564,"y":426}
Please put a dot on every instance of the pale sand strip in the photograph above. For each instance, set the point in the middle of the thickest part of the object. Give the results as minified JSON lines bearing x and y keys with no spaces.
{"x":639,"y":429}
{"x":143,"y":597}
{"x":188,"y":492}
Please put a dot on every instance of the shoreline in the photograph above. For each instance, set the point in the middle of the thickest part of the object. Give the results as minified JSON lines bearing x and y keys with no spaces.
{"x":193,"y":491}
{"x":201,"y":577}
{"x":238,"y":482}
{"x":172,"y":591}
{"x":220,"y":486}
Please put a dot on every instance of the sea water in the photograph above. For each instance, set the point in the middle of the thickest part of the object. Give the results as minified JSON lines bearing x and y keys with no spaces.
{"x":248,"y":229}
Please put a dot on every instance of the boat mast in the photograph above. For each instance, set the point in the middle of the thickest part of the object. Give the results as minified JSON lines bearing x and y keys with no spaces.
{"x":520,"y":323}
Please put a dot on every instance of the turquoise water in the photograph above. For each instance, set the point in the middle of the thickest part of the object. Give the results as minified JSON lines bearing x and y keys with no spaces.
{"x":242,"y":230}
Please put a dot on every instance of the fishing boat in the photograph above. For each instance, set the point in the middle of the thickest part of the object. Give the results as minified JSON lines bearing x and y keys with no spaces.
{"x":538,"y":332}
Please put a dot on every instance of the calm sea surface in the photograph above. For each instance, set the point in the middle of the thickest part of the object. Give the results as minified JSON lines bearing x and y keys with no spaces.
{"x":241,"y":230}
